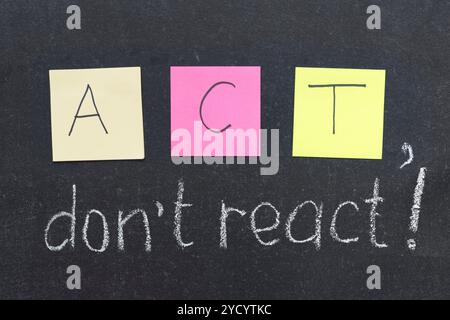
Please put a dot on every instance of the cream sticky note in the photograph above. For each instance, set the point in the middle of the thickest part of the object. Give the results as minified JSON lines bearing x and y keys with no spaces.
{"x":338,"y":113}
{"x":96,"y":114}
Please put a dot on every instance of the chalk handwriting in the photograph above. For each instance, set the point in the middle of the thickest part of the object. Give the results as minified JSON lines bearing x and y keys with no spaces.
{"x":253,"y":221}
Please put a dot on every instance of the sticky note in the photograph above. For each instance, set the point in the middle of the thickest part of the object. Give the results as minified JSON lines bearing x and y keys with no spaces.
{"x":338,"y":113}
{"x":215,"y":111}
{"x":96,"y":114}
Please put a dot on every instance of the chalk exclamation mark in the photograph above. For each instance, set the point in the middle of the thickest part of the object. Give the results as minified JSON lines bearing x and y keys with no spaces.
{"x":415,"y":209}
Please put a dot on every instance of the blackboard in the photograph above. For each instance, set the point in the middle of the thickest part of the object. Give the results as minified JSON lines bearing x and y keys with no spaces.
{"x":412,"y":46}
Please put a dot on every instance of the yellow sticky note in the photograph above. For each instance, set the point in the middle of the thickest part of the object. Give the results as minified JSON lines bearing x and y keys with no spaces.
{"x":96,"y":114}
{"x":338,"y":113}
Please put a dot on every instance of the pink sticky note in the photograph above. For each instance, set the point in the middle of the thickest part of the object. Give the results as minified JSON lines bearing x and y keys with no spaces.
{"x":215,"y":111}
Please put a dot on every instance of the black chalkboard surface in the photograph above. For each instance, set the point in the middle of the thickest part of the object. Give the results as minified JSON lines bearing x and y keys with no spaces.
{"x":412,"y":46}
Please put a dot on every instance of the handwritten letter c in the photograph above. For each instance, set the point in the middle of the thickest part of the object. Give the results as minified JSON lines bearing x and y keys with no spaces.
{"x":203,"y":100}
